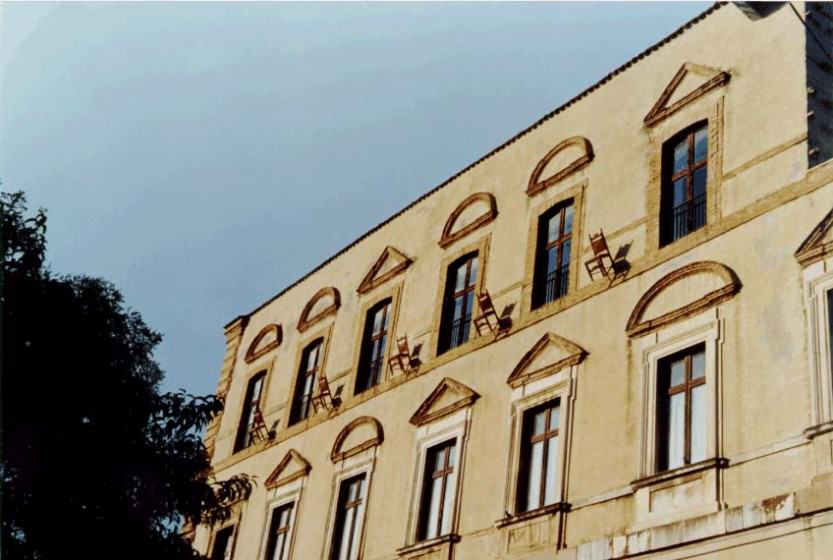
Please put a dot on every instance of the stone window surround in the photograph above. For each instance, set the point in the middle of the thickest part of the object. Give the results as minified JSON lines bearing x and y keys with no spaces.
{"x":394,"y":293}
{"x":704,"y":328}
{"x":481,"y":247}
{"x":360,"y":463}
{"x":233,"y":522}
{"x":289,"y":493}
{"x":325,"y":335}
{"x":253,"y":369}
{"x":818,"y":282}
{"x":575,"y":192}
{"x":453,"y":426}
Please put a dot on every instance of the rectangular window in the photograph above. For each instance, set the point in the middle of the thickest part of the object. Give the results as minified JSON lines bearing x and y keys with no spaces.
{"x":458,"y":305}
{"x":223,"y":544}
{"x":349,"y":518}
{"x":374,"y":342}
{"x":438,"y":491}
{"x":277,"y":547}
{"x":685,"y":171}
{"x":537,"y":484}
{"x":251,"y":412}
{"x":307,"y":380}
{"x":552,"y":260}
{"x":681,"y":409}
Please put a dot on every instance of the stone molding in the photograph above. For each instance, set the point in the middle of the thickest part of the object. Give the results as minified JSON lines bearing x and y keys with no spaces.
{"x":275,"y":479}
{"x":661,"y":109}
{"x":256,"y":351}
{"x":520,"y":375}
{"x":449,"y":236}
{"x":536,"y":184}
{"x":306,"y":321}
{"x":814,"y":248}
{"x":338,"y":454}
{"x":371,"y":280}
{"x":423,"y":414}
{"x":637,"y":327}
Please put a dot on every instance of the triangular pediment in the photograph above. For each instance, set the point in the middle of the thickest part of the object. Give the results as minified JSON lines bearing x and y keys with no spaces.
{"x":448,"y":397}
{"x":690,"y":82}
{"x":389,"y":264}
{"x":819,"y":243}
{"x":292,"y":467}
{"x":550,"y":354}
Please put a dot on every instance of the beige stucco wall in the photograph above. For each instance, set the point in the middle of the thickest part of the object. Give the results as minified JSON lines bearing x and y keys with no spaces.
{"x":766,"y":202}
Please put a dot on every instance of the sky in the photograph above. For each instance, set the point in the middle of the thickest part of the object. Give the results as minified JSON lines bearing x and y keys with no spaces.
{"x":194,"y":153}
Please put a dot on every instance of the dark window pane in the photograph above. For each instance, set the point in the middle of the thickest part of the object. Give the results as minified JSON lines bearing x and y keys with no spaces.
{"x":700,"y":181}
{"x":680,"y":156}
{"x":680,"y":191}
{"x":701,"y":145}
{"x":554,"y":229}
{"x":568,"y":219}
{"x":223,"y":544}
{"x":565,"y":254}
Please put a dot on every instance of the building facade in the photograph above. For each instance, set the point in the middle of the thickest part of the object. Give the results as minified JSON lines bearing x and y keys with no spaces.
{"x":610,"y":337}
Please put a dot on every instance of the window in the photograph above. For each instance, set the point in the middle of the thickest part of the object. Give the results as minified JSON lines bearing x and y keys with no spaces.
{"x":277,"y":547}
{"x":458,"y":303}
{"x":681,"y":409}
{"x":307,"y":379}
{"x":374,"y":343}
{"x":223,"y":544}
{"x":552,"y":260}
{"x":349,"y":517}
{"x":830,"y":327}
{"x":685,"y":169}
{"x":251,"y":411}
{"x":539,"y":457}
{"x":438,"y":491}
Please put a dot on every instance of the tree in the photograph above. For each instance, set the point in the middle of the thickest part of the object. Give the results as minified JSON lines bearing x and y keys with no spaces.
{"x":95,"y":460}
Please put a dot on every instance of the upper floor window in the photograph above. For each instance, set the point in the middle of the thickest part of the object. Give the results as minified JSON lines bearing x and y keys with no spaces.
{"x":251,"y":411}
{"x":552,"y":260}
{"x":307,"y":380}
{"x":374,"y":343}
{"x":458,"y":303}
{"x":277,"y":545}
{"x":539,"y":457}
{"x":349,"y":519}
{"x":223,"y":544}
{"x":681,"y":408}
{"x":685,"y":170}
{"x":438,"y":491}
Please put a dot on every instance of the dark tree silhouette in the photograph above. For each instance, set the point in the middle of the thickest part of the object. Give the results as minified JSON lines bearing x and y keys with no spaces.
{"x":96,"y":462}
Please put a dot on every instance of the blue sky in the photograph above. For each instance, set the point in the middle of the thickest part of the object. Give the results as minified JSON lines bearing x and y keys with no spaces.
{"x":182,"y":148}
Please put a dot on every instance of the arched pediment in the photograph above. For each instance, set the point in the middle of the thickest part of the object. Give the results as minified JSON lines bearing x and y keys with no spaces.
{"x":474,"y":212}
{"x":389,"y":264}
{"x":292,"y":467}
{"x":359,"y":435}
{"x":448,"y":397}
{"x":324,"y":303}
{"x":818,"y":244}
{"x":550,"y":354}
{"x":690,"y":82}
{"x":699,"y":285}
{"x":269,"y":338}
{"x":562,"y":161}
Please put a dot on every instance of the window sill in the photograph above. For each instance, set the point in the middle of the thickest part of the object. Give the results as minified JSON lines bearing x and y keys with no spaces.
{"x":428,"y":545}
{"x":713,"y":463}
{"x":533,"y":514}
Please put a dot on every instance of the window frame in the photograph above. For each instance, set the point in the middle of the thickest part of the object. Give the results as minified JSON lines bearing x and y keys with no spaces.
{"x":559,"y":196}
{"x":241,"y":436}
{"x":543,"y":245}
{"x":669,"y":177}
{"x":527,"y":441}
{"x":449,"y":471}
{"x":269,"y":544}
{"x":232,"y":527}
{"x":447,"y":340}
{"x":362,"y":464}
{"x":481,"y":247}
{"x":324,"y":335}
{"x":818,"y":287}
{"x":364,"y":372}
{"x":343,"y":506}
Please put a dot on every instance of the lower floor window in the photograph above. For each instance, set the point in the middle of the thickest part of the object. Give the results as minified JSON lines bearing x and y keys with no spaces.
{"x":539,"y":457}
{"x":223,"y":544}
{"x":277,"y":547}
{"x":349,"y":518}
{"x":439,"y":488}
{"x":681,"y":408}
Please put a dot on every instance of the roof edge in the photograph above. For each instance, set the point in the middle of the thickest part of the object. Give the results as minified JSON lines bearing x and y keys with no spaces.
{"x":618,"y":70}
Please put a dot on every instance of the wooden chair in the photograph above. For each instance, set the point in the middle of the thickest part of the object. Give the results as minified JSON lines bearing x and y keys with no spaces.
{"x":323,"y":398}
{"x":258,"y":432}
{"x":401,"y":357}
{"x":488,"y":319}
{"x":601,"y":253}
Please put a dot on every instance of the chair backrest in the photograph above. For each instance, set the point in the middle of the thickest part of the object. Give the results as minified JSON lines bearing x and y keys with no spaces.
{"x":323,"y":385}
{"x":402,"y":346}
{"x":485,"y":302}
{"x":598,"y":243}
